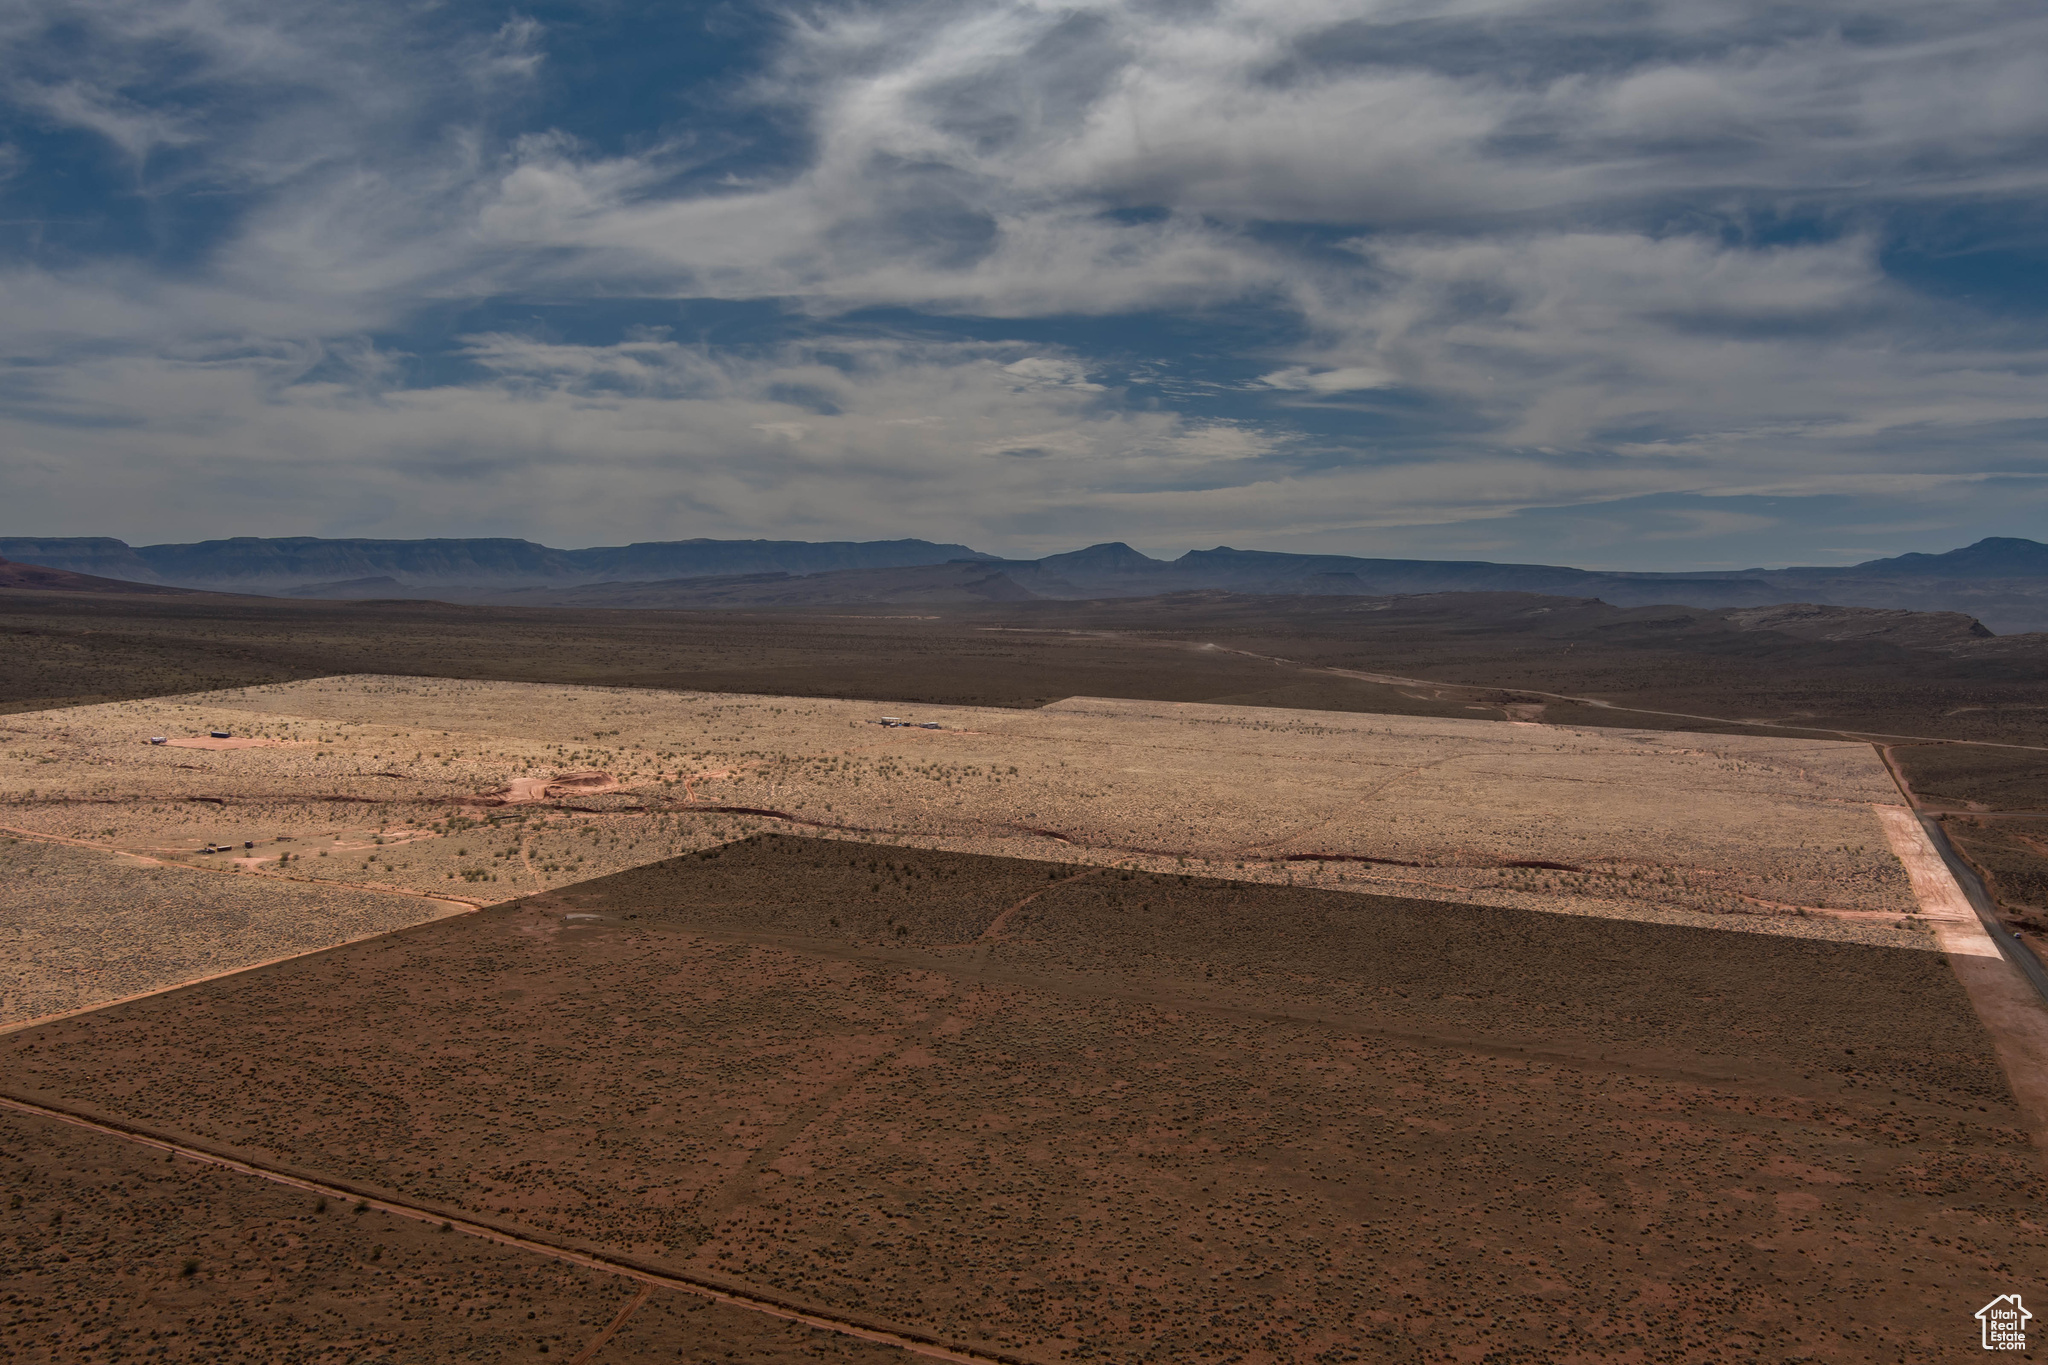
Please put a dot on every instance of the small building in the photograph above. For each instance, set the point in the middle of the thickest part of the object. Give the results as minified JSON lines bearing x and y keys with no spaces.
{"x":220,"y":734}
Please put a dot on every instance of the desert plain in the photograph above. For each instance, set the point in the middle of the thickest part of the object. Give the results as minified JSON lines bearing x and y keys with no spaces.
{"x":423,"y":796}
{"x":1108,"y":1030}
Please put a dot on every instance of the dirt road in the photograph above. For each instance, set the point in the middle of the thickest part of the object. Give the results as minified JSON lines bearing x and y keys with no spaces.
{"x":907,"y":1341}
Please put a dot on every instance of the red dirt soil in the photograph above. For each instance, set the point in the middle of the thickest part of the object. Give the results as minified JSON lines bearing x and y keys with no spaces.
{"x":98,"y":1233}
{"x":1158,"y":1118}
{"x":526,"y":790}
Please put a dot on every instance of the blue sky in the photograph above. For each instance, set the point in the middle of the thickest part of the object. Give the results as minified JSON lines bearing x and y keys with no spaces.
{"x":1621,"y":283}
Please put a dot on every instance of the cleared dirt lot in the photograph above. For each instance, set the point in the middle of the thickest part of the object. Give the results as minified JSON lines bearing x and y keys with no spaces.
{"x":480,"y":792}
{"x":1138,"y":1116}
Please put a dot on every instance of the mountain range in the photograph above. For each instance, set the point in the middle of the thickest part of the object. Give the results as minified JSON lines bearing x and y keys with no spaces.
{"x":303,"y":564}
{"x":2002,"y":581}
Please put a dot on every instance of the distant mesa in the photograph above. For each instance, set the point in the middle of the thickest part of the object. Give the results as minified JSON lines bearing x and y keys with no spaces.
{"x":294,"y":564}
{"x":964,"y":581}
{"x":383,"y":585}
{"x":1811,"y":622}
{"x":1991,"y":557}
{"x":39,"y":578}
{"x":2000,"y":582}
{"x":1111,"y":557}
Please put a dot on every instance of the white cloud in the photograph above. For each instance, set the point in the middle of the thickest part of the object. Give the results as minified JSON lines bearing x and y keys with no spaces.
{"x":1574,"y":340}
{"x":1042,"y":371}
{"x":135,"y":129}
{"x":653,"y":438}
{"x":512,"y":53}
{"x":1555,"y":229}
{"x":1349,"y":379}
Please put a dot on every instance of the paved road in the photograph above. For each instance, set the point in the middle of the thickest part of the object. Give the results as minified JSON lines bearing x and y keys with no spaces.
{"x":1980,"y":900}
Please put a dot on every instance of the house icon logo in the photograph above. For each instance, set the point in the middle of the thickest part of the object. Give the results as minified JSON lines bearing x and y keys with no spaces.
{"x":2004,"y":1321}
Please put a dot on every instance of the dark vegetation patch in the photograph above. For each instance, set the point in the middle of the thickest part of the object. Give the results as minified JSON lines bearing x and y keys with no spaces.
{"x":2010,"y":854}
{"x":57,"y":651}
{"x":110,"y":1251}
{"x":840,"y":890}
{"x":1469,"y":970}
{"x":1880,"y":1015}
{"x":1969,"y":777}
{"x":1479,"y":653}
{"x":1140,"y":1115}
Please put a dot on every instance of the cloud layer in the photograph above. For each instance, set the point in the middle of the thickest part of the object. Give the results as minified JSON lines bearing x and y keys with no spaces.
{"x":1375,"y":277}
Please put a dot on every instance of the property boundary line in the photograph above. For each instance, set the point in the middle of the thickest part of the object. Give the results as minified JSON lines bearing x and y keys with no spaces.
{"x":917,"y":1343}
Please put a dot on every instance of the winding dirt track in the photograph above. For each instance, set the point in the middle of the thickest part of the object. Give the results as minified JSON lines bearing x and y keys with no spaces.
{"x":142,"y":858}
{"x":996,"y":926}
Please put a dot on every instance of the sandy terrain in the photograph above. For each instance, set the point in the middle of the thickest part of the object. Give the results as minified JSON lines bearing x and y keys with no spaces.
{"x":79,"y":926}
{"x":1942,"y":903}
{"x":231,"y":742}
{"x":1151,"y":1116}
{"x":485,"y":791}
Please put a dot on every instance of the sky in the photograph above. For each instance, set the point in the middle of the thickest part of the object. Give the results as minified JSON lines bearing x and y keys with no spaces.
{"x":1656,"y":284}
